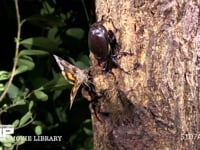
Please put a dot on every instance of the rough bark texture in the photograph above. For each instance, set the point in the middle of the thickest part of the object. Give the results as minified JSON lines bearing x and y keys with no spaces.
{"x":156,"y":104}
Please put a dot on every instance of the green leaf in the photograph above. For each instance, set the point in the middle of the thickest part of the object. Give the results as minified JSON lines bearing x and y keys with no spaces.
{"x":13,"y":91}
{"x":76,"y":33}
{"x":87,"y":121}
{"x":38,"y":130}
{"x":2,"y":87}
{"x":8,"y":141}
{"x":4,"y":75}
{"x":30,"y":105}
{"x":53,"y":35}
{"x":33,"y":52}
{"x":20,"y":102}
{"x":21,"y":69}
{"x":84,"y":59}
{"x":47,"y":8}
{"x":87,"y":131}
{"x":82,"y":64}
{"x":44,"y":21}
{"x":58,"y":82}
{"x":39,"y":42}
{"x":39,"y":82}
{"x":41,"y":95}
{"x":5,"y":106}
{"x":25,"y":118}
{"x":15,"y":123}
{"x":61,"y":116}
{"x":56,"y":94}
{"x":49,"y":117}
{"x":25,"y":63}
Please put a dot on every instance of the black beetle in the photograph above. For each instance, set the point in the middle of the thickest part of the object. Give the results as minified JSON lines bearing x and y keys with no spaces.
{"x":98,"y":41}
{"x":104,"y":46}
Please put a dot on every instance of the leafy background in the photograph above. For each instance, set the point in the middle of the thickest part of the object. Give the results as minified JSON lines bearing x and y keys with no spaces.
{"x":37,"y":102}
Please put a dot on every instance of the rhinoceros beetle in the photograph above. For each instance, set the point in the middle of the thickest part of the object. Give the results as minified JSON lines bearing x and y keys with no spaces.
{"x":103,"y":44}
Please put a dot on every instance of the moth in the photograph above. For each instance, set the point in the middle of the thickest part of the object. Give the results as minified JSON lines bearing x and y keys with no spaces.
{"x":73,"y":75}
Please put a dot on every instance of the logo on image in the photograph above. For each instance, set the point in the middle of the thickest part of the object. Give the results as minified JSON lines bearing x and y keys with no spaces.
{"x":6,"y":130}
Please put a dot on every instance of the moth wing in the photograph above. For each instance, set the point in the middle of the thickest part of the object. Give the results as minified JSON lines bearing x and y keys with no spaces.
{"x":68,"y":70}
{"x":72,"y":74}
{"x":74,"y":92}
{"x":59,"y":60}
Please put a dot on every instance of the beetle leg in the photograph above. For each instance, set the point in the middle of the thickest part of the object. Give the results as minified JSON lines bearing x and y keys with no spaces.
{"x":115,"y":62}
{"x":122,"y":54}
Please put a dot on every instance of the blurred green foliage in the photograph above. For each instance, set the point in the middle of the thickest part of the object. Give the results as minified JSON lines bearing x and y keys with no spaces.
{"x":37,"y":102}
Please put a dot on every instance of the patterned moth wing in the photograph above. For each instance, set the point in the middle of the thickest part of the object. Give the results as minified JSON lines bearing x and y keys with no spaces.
{"x":73,"y":75}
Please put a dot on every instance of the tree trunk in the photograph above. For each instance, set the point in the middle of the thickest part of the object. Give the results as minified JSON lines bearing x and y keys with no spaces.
{"x":154,"y":103}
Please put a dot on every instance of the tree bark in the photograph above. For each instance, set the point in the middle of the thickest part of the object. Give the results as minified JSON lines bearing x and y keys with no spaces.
{"x":154,"y":103}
